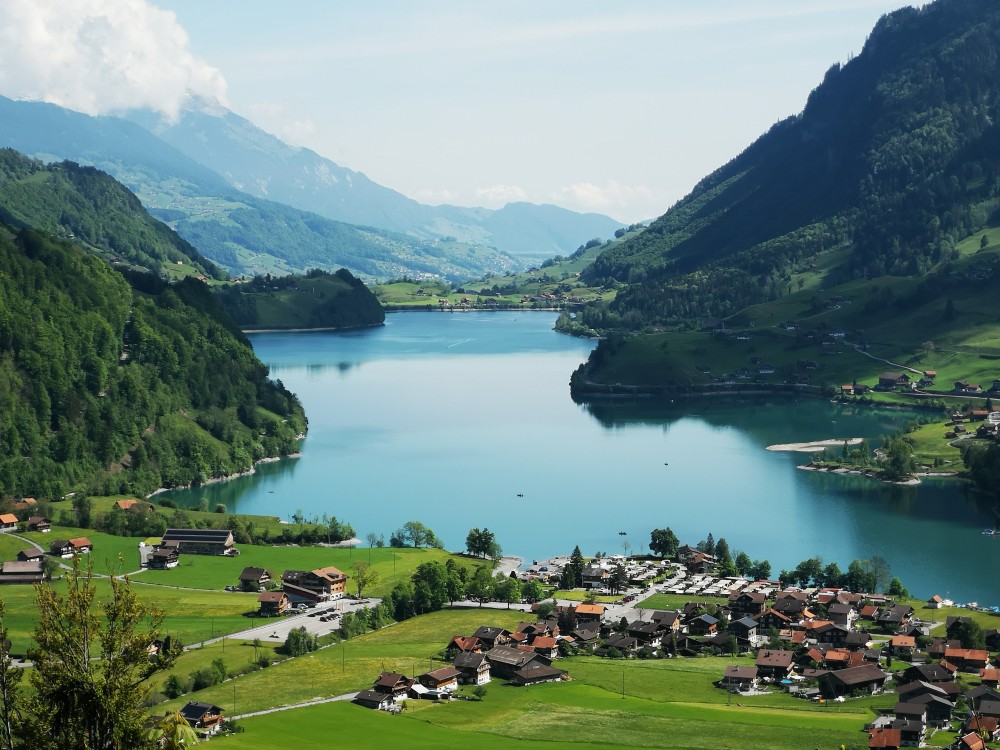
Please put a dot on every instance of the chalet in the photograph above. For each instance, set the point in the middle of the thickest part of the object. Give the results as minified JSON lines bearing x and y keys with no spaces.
{"x":70,"y":547}
{"x":200,"y":541}
{"x":624,"y":644}
{"x":739,"y":678}
{"x":506,"y":661}
{"x":473,"y":667}
{"x":464,"y":644}
{"x":703,"y":625}
{"x":272,"y":603}
{"x":885,"y":738}
{"x":20,"y":571}
{"x":745,"y":630}
{"x":30,"y":554}
{"x":989,"y":676}
{"x":888,"y":381}
{"x":952,"y":624}
{"x":868,"y":678}
{"x":8,"y":522}
{"x":935,"y":602}
{"x":912,"y":732}
{"x":895,"y":617}
{"x":914,"y":711}
{"x":202,"y":716}
{"x":375,"y":700}
{"x":491,"y":637}
{"x":903,"y":645}
{"x":669,"y":621}
{"x":131,"y":505}
{"x":535,"y":674}
{"x":40,"y":524}
{"x":586,"y":613}
{"x":254,"y":579}
{"x":938,"y":709}
{"x":932,"y":673}
{"x":985,"y":726}
{"x":750,"y":603}
{"x":393,"y":684}
{"x":772,"y":619}
{"x":968,"y":659}
{"x":649,"y":633}
{"x":858,"y":640}
{"x":595,"y":575}
{"x":445,"y":678}
{"x":967,"y":388}
{"x":970,"y":741}
{"x":842,"y":614}
{"x":25,"y":503}
{"x":790,"y":607}
{"x":317,"y":585}
{"x":702,"y":562}
{"x":546,"y":645}
{"x":587,"y":635}
{"x":163,"y":559}
{"x":775,"y":663}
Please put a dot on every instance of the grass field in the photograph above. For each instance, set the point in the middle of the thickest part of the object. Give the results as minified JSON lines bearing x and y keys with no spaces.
{"x":667,"y":703}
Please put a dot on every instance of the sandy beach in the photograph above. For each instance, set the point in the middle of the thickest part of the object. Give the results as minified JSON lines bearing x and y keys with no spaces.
{"x":815,"y":446}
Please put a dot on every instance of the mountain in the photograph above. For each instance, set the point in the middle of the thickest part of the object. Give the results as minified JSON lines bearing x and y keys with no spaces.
{"x":115,"y":383}
{"x":88,"y":205}
{"x":236,"y":230}
{"x":893,"y":160}
{"x":260,"y":164}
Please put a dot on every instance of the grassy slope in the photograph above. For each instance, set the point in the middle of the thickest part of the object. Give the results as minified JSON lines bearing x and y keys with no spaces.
{"x":668,"y":703}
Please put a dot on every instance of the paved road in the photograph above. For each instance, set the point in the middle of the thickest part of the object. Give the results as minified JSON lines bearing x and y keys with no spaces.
{"x":276,"y":629}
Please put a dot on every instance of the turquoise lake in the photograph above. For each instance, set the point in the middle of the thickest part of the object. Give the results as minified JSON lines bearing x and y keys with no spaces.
{"x":446,"y":418}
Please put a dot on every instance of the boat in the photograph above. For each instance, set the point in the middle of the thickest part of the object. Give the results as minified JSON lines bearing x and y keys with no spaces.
{"x":990,"y":532}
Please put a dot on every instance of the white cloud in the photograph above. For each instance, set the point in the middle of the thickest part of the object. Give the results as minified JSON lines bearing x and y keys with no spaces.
{"x":279,"y":118}
{"x":613,"y":197}
{"x":496,"y":196}
{"x":100,"y":56}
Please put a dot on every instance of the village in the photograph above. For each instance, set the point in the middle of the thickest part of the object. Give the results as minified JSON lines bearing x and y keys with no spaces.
{"x":817,"y":644}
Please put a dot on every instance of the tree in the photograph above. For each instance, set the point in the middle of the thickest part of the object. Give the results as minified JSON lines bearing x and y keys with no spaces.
{"x":430,"y":587}
{"x":481,"y":585}
{"x":879,"y":572}
{"x":364,"y":575}
{"x":417,"y":534}
{"x":761,"y":570}
{"x":495,"y":552}
{"x":572,"y":575}
{"x":663,"y":542}
{"x":172,"y":732}
{"x":10,"y":699}
{"x":722,"y":553}
{"x":372,"y":538}
{"x":83,"y":508}
{"x":89,"y":668}
{"x":832,"y":575}
{"x":507,"y":589}
{"x":479,"y":691}
{"x":618,"y":579}
{"x":899,"y":462}
{"x":896,"y":588}
{"x":970,"y":633}
{"x":743,"y":563}
{"x":532,"y":591}
{"x":298,"y":641}
{"x":984,"y":242}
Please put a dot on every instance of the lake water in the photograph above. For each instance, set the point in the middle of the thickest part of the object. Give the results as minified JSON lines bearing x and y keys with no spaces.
{"x":447,"y":418}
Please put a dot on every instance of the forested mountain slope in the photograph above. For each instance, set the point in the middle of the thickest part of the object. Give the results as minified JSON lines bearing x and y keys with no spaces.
{"x":112,"y":386}
{"x":895,"y":157}
{"x":89,"y":206}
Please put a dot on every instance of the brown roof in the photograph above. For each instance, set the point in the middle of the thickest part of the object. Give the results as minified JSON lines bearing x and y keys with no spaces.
{"x":80,"y":541}
{"x":8,"y":518}
{"x":544,"y":641}
{"x":271,"y":597}
{"x":883,"y":737}
{"x":443,"y":674}
{"x":126,"y":504}
{"x":774,"y":658}
{"x":589,"y":609}
{"x":904,"y":641}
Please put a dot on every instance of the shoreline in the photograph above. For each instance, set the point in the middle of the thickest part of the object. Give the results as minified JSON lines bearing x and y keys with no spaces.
{"x":815,"y":446}
{"x":215,"y":480}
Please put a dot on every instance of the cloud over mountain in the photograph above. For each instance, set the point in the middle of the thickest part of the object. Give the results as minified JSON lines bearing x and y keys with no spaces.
{"x":101,"y":56}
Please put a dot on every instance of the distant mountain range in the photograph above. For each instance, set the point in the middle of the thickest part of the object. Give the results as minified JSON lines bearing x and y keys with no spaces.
{"x":254,"y":204}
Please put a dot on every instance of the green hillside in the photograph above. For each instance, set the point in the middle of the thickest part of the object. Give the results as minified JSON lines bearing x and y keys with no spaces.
{"x":892,"y":162}
{"x":110,"y":386}
{"x":89,"y":207}
{"x":316,"y":300}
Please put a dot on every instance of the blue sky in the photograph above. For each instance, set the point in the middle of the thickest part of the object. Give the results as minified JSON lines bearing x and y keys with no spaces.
{"x":614,"y":107}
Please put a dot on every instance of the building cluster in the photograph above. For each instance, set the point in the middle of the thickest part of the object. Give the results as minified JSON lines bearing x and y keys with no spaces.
{"x":522,"y":657}
{"x":298,"y":588}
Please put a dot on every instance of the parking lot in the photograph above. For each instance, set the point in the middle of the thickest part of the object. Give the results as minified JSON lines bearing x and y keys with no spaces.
{"x":323,"y":619}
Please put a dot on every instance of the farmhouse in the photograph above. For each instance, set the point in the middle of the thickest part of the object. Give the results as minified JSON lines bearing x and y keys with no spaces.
{"x":204,"y":716}
{"x":8,"y":522}
{"x":474,"y":668}
{"x":272,"y":603}
{"x":254,"y":579}
{"x":40,"y":524}
{"x":200,"y":541}
{"x":374,"y":699}
{"x":21,"y":572}
{"x":505,"y":662}
{"x":867,"y":677}
{"x":739,"y":678}
{"x":70,"y":547}
{"x":445,"y":678}
{"x":163,"y":559}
